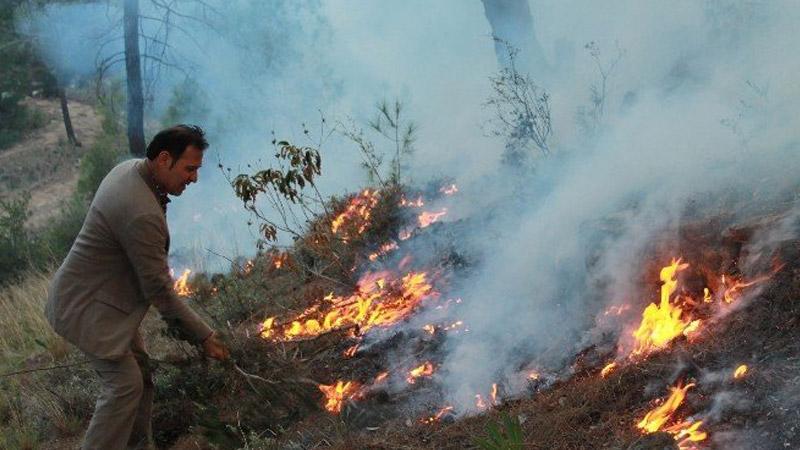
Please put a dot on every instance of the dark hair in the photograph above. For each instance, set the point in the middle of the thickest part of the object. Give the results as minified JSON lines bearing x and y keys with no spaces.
{"x":175,"y":140}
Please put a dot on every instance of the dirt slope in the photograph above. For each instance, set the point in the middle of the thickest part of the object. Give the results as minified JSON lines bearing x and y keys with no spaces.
{"x":44,"y":164}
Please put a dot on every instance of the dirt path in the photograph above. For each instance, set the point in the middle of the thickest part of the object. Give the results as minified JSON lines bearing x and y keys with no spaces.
{"x":44,"y":165}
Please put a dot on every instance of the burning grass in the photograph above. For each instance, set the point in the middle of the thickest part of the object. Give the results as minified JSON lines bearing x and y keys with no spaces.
{"x":304,"y":373}
{"x":590,"y":411}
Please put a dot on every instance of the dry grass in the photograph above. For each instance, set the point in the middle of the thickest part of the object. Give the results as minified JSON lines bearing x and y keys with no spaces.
{"x":25,"y":329}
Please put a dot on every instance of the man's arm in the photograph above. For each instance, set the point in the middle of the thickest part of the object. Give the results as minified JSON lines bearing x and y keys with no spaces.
{"x":144,"y":241}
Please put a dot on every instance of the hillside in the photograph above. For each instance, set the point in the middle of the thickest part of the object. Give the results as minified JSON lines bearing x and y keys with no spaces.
{"x":44,"y":164}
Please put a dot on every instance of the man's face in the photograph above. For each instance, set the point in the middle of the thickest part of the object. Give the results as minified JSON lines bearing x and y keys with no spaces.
{"x":174,"y":176}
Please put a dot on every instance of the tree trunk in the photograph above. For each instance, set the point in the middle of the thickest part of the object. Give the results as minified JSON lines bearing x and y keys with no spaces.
{"x":67,"y":121}
{"x":133,"y":70}
{"x":512,"y":24}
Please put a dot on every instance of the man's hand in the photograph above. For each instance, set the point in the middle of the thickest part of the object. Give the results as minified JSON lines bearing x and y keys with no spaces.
{"x":214,"y":348}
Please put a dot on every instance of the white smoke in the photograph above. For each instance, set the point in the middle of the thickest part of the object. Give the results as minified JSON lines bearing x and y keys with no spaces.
{"x":700,"y":105}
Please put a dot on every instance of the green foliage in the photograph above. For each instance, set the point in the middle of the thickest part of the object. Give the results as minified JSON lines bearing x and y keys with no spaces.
{"x":14,"y":244}
{"x":21,"y":72}
{"x":20,"y":249}
{"x":285,"y":183}
{"x":503,"y":435}
{"x":106,"y":153}
{"x":16,"y":120}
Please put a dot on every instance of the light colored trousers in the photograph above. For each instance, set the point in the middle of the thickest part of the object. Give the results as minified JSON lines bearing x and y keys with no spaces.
{"x":122,"y":415}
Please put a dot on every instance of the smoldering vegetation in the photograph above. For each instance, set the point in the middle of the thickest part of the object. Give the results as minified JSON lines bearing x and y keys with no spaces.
{"x":636,"y":135}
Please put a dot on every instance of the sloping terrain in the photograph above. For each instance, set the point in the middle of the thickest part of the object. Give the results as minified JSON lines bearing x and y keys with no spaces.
{"x":44,"y":164}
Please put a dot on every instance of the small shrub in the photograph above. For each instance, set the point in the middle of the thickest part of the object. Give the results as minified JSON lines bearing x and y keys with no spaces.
{"x":14,"y":244}
{"x":106,"y":153}
{"x":503,"y":435}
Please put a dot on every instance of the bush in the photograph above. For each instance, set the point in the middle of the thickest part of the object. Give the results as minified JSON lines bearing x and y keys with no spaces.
{"x":19,"y":249}
{"x":17,"y":119}
{"x":106,"y":152}
{"x":14,"y":244}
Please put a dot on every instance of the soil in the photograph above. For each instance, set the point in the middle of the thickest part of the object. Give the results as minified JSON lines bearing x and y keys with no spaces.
{"x":44,"y":164}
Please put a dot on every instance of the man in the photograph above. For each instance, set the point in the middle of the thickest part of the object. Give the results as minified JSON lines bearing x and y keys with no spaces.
{"x":114,"y":271}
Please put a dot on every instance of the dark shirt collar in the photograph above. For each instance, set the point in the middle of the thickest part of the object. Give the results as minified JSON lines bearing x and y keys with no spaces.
{"x":149,"y":179}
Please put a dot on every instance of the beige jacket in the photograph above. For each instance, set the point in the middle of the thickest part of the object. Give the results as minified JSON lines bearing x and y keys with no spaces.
{"x":116,"y":268}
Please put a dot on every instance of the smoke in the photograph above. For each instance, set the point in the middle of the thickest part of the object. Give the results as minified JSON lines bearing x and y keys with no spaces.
{"x":707,"y":122}
{"x":699,"y":105}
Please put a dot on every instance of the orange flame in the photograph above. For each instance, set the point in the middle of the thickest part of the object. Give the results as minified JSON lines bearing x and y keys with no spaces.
{"x":427,"y":218}
{"x":381,"y":377}
{"x":380,"y":300}
{"x":357,"y":214}
{"x":608,"y":369}
{"x":660,"y":415}
{"x":494,"y":393}
{"x":337,"y":394}
{"x":430,"y":329}
{"x":685,"y":431}
{"x":662,"y":323}
{"x":733,"y":288}
{"x":385,"y":248}
{"x":438,"y":416}
{"x":248,"y":267}
{"x":740,"y":372}
{"x":280,"y":260}
{"x":351,"y":351}
{"x":182,"y":284}
{"x":425,"y":370}
{"x":479,"y":403}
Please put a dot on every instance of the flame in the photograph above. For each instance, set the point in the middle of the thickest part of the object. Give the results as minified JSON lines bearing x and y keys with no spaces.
{"x":454,"y":325}
{"x":662,"y":323}
{"x":418,"y":203}
{"x":404,"y":235}
{"x":479,"y":403}
{"x":669,"y":319}
{"x":429,"y":329}
{"x":740,"y":372}
{"x":385,"y":248}
{"x":248,"y":267}
{"x":685,"y":431}
{"x":181,"y":284}
{"x":381,"y":378}
{"x":449,"y":190}
{"x":380,"y":300}
{"x":533,"y":376}
{"x":338,"y":393}
{"x":427,"y":218}
{"x":660,"y":415}
{"x":608,"y":369}
{"x":351,"y":351}
{"x":357,"y":214}
{"x":438,"y":416}
{"x":424,"y":370}
{"x":732,"y":288}
{"x":494,"y":393}
{"x":280,"y":260}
